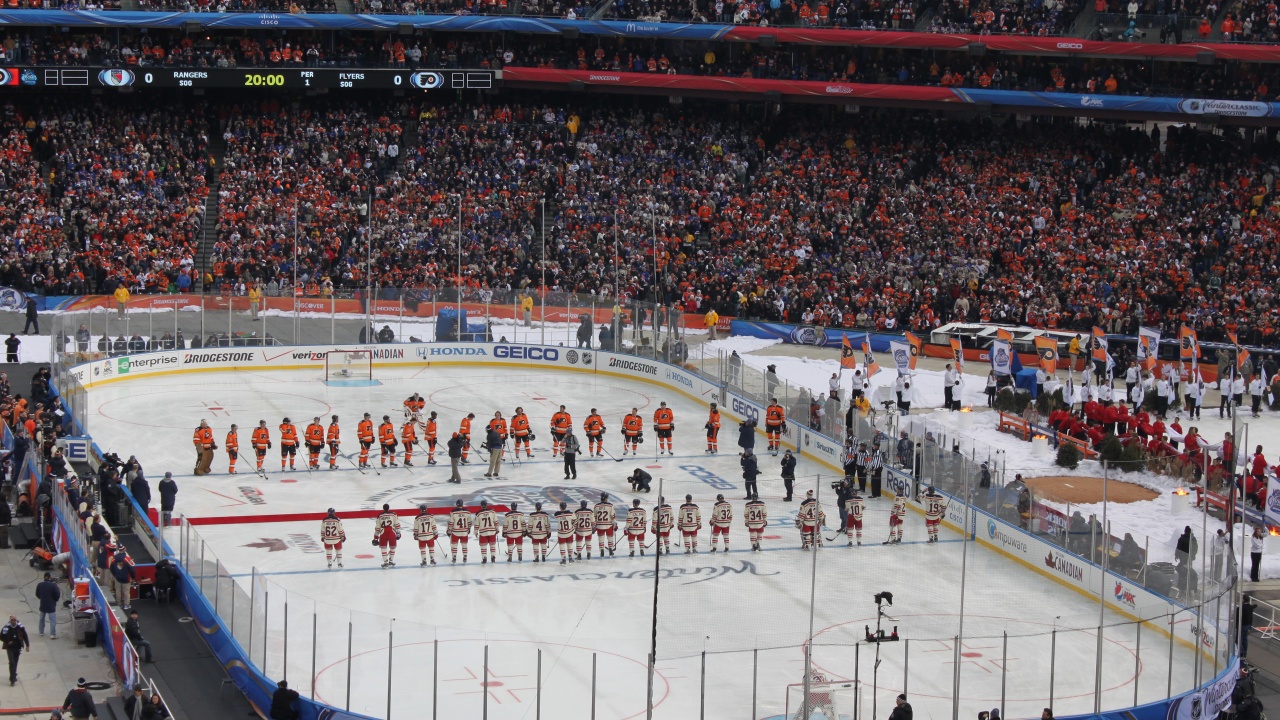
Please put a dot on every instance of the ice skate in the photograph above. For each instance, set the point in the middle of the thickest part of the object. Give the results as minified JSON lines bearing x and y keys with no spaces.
{"x":431,"y":462}
{"x":423,"y":563}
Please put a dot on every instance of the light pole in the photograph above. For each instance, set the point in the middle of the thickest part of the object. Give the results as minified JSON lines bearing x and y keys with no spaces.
{"x":543,"y":219}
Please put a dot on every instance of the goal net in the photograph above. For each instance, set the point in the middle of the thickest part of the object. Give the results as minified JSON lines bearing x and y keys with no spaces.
{"x":827,"y":701}
{"x":348,"y":365}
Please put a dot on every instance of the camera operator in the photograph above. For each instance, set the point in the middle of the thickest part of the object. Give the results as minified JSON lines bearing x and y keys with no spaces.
{"x":844,"y":490}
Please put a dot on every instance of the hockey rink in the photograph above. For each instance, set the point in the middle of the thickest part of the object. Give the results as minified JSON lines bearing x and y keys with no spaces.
{"x":394,"y":642}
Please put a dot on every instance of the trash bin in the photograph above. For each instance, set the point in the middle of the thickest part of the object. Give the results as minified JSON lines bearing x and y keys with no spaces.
{"x":86,"y":626}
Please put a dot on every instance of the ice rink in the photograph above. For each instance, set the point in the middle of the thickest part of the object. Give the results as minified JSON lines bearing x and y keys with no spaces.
{"x":724,"y":605}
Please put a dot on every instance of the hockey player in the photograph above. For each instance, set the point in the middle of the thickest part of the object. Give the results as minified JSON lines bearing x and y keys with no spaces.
{"x":386,"y":531}
{"x":364,"y":433}
{"x":713,"y":430}
{"x":514,"y":528}
{"x":854,"y":508}
{"x":464,"y":431}
{"x":487,"y":527}
{"x":664,"y":421}
{"x":459,"y":530}
{"x":332,"y":535}
{"x":585,"y":522}
{"x":810,"y":520}
{"x":560,"y":422}
{"x":409,"y":437}
{"x":632,"y":432}
{"x":721,"y":519}
{"x":315,"y":443}
{"x":334,"y":439}
{"x":566,"y":528}
{"x":520,"y":433}
{"x":690,"y":523}
{"x":424,"y":531}
{"x":663,"y":522}
{"x":232,"y":446}
{"x":261,"y":441}
{"x":539,"y":531}
{"x":594,"y":428}
{"x":896,"y":515}
{"x":288,"y":443}
{"x":413,"y":406}
{"x":756,"y":517}
{"x":387,"y":439}
{"x":935,"y":506}
{"x":606,"y":521}
{"x":429,"y":434}
{"x":775,"y":423}
{"x":637,"y":519}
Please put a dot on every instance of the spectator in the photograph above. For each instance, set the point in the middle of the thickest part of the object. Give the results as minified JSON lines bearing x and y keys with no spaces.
{"x":168,"y":497}
{"x":13,"y":637}
{"x":1257,"y":543}
{"x":33,"y":320}
{"x":133,"y":631}
{"x":79,"y":702}
{"x":284,"y":702}
{"x":48,"y":593}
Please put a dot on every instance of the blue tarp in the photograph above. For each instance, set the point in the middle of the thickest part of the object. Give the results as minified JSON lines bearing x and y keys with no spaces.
{"x":807,"y":335}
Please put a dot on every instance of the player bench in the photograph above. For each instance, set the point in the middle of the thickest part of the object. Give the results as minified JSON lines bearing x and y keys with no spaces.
{"x":1014,"y":425}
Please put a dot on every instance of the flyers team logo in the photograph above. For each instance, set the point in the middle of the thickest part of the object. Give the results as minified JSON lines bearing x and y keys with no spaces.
{"x":957,"y":355}
{"x":847,"y":352}
{"x":116,"y":77}
{"x":868,"y":360}
{"x":426,"y":80}
{"x":1048,"y":354}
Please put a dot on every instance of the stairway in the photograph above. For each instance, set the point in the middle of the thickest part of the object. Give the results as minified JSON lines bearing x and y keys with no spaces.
{"x":408,"y":143}
{"x":209,"y":225}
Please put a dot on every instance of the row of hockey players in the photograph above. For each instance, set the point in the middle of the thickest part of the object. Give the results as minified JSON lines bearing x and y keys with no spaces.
{"x":574,"y":528}
{"x":416,"y":430}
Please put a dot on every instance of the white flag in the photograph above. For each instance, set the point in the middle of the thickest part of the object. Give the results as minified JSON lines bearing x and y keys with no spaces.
{"x":1002,"y":357}
{"x":901,"y":356}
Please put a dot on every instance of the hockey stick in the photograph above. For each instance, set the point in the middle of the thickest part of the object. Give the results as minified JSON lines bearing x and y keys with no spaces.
{"x":606,"y":452}
{"x":353,"y":462}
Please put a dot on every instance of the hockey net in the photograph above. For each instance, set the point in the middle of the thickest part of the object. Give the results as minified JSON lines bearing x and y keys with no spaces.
{"x":348,"y":365}
{"x":827,"y":701}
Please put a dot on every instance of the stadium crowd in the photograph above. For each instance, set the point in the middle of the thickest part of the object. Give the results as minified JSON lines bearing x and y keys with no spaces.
{"x":894,"y":221}
{"x":98,"y":195}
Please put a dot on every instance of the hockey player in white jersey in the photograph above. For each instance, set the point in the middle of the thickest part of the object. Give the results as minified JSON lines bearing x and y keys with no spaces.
{"x":584,"y":520}
{"x":935,"y":507}
{"x":332,"y":535}
{"x":810,"y":520}
{"x":487,"y":527}
{"x":539,"y":532}
{"x":756,"y":517}
{"x":721,"y":519}
{"x":854,"y":508}
{"x":606,"y":524}
{"x":514,"y":527}
{"x":637,"y":520}
{"x":460,"y":522}
{"x":663,"y":522}
{"x":690,"y":521}
{"x":897,"y":516}
{"x":424,"y":531}
{"x":566,"y":530}
{"x":386,"y":531}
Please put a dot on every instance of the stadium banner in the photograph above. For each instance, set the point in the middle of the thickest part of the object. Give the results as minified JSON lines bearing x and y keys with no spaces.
{"x":808,"y":334}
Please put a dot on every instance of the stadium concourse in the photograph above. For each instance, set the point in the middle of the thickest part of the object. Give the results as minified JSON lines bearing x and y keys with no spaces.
{"x":260,"y":535}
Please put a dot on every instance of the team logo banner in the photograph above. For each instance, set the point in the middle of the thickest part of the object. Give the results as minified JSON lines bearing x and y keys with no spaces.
{"x":1002,"y":357}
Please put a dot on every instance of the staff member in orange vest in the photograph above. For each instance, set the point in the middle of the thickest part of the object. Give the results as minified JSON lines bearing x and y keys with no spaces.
{"x":288,"y":443}
{"x":364,"y":434}
{"x":203,"y":440}
{"x":261,"y":442}
{"x":315,"y":443}
{"x":233,"y":448}
{"x":663,"y":423}
{"x":387,"y":439}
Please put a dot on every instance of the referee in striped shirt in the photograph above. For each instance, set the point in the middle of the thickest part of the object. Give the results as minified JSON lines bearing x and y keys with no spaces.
{"x":873,"y":462}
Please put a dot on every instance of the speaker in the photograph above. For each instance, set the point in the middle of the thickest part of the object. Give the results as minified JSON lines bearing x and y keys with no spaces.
{"x":977,"y":49}
{"x":1206,"y":57}
{"x":767,"y":41}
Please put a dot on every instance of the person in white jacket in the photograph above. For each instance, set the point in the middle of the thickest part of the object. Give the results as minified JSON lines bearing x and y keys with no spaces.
{"x":1195,"y":395}
{"x":1257,"y":388}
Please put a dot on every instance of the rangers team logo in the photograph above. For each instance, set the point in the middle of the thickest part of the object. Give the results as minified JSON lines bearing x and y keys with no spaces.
{"x":116,"y":77}
{"x":571,"y":357}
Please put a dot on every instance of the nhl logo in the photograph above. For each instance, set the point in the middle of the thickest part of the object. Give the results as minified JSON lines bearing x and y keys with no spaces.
{"x":571,"y":357}
{"x":586,"y":358}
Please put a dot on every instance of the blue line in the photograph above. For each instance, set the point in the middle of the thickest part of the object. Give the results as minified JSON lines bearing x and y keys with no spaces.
{"x":702,"y":554}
